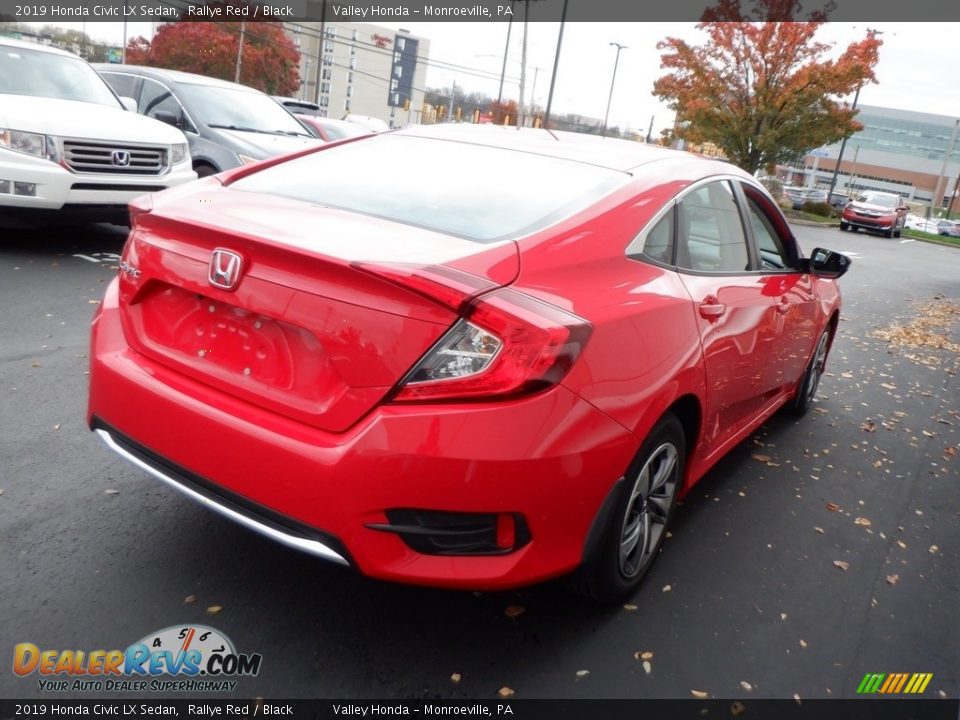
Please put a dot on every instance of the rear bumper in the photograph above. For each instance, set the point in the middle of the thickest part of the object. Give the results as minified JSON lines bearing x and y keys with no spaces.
{"x":551,"y":459}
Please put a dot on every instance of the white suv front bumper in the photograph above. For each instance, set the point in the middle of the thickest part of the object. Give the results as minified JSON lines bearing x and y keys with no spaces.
{"x":54,"y":186}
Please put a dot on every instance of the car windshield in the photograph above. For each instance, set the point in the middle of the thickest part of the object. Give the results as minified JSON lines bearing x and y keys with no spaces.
{"x":46,"y":74}
{"x":239,"y":109}
{"x":476,"y":192}
{"x":878,"y":199}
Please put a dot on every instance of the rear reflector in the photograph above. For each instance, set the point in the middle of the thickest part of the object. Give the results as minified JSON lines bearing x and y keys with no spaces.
{"x":435,"y":532}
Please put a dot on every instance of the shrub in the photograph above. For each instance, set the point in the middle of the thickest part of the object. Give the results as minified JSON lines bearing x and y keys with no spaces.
{"x":820,"y":208}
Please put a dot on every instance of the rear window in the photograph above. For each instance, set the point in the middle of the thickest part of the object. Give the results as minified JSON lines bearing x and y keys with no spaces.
{"x":472,"y":191}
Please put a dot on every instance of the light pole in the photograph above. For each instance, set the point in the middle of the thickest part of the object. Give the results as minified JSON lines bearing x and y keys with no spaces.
{"x":843,"y":146}
{"x":556,"y":64}
{"x":613,"y":81}
{"x":943,"y":169}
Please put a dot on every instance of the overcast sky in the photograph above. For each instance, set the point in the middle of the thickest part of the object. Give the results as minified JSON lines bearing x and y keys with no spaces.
{"x":917,"y":69}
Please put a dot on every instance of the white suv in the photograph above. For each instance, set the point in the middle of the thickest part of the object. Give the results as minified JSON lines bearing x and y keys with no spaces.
{"x":67,"y":143}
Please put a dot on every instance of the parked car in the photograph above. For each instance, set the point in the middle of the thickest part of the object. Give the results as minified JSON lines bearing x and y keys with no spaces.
{"x":227,"y":124}
{"x":877,"y":211}
{"x":950,"y":228}
{"x":69,"y":144}
{"x":367,"y":122}
{"x":328,"y":129}
{"x":466,"y":384}
{"x":800,"y":196}
{"x":839,"y":200}
{"x":300,"y":107}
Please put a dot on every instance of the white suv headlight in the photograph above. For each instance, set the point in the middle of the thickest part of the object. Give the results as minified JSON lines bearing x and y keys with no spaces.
{"x":25,"y":142}
{"x":179,"y":153}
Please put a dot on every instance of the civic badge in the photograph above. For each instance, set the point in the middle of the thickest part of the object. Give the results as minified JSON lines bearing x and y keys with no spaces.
{"x":226,"y":267}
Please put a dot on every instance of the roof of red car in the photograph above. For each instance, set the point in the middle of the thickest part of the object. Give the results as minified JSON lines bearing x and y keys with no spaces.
{"x":612,"y":153}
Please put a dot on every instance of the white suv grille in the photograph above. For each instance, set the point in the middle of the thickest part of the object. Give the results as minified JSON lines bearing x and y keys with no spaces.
{"x":85,"y":156}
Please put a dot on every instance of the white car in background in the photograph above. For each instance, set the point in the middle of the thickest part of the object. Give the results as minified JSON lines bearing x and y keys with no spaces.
{"x":67,"y":143}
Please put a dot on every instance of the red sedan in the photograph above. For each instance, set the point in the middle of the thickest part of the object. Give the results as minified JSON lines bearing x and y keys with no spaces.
{"x":460,"y":356}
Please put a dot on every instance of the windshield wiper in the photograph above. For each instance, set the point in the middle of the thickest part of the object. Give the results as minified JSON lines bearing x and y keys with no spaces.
{"x":257,"y":130}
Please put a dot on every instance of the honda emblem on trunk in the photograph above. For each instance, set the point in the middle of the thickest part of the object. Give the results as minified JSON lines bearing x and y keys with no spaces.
{"x":225,"y":269}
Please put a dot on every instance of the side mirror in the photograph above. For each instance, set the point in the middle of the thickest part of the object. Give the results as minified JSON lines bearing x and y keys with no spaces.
{"x":169,"y":118}
{"x":128,"y":103}
{"x":827,"y":263}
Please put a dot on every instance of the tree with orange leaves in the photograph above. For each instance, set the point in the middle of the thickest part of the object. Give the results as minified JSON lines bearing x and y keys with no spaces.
{"x":270,"y":59}
{"x":763,"y":92}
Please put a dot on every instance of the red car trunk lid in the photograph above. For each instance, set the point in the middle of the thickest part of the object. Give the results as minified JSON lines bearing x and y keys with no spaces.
{"x":306,"y":332}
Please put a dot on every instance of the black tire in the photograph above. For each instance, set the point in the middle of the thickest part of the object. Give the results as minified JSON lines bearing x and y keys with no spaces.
{"x":642,"y":515}
{"x":844,"y":227}
{"x":203,"y":170}
{"x":807,"y":391}
{"x":891,"y":232}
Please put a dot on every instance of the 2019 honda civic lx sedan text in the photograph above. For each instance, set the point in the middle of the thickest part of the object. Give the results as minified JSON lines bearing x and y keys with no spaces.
{"x":459,"y":356}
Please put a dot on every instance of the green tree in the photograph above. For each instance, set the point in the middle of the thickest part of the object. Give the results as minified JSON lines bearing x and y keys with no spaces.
{"x":763,"y":91}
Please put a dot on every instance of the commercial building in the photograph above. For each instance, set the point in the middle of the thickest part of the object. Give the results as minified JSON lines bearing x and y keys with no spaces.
{"x":365,"y":70}
{"x":899,"y":151}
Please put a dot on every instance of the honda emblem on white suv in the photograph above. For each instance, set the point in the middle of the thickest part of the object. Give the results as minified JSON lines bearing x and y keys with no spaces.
{"x":225,"y":269}
{"x":120,"y":158}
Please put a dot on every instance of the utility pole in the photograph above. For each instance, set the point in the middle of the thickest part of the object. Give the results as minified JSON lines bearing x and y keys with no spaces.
{"x":556,"y":64}
{"x":123,"y":50}
{"x":243,"y":27}
{"x":613,"y":81}
{"x":521,"y":115}
{"x":943,"y":168}
{"x":506,"y":51}
{"x":323,"y":39}
{"x":650,"y":130}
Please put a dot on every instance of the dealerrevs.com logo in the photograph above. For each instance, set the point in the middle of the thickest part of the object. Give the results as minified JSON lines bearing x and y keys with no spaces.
{"x":182,"y":658}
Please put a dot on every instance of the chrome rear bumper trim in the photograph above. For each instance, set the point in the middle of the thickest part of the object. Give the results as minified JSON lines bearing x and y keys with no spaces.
{"x":307,"y":545}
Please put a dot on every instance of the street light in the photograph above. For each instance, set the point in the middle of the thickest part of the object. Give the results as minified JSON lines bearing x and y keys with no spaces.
{"x":613,"y":80}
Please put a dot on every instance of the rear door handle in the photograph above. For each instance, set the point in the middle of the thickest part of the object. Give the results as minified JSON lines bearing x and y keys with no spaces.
{"x":783,"y":306}
{"x":711,"y":309}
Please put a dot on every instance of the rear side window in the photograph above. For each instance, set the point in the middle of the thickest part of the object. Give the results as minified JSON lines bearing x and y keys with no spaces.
{"x":122,"y":85}
{"x":710,"y":235}
{"x":476,"y":192}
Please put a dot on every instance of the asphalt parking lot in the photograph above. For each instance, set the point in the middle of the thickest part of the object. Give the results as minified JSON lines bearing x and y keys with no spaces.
{"x":818,"y":551}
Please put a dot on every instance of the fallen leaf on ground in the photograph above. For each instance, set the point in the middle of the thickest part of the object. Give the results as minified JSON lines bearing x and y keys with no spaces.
{"x":933,"y":548}
{"x":214,"y":609}
{"x":819,"y":530}
{"x":698,"y":693}
{"x":630,"y":607}
{"x":868,"y":426}
{"x":513,"y":611}
{"x":667,"y":588}
{"x":505,"y":691}
{"x":746,"y":686}
{"x":582,"y":673}
{"x":841,"y":564}
{"x":57,"y":426}
{"x":832,"y":507}
{"x":455,"y":678}
{"x":901,"y":544}
{"x":761,"y":458}
{"x":892,"y":579}
{"x":647,"y":667}
{"x":783,"y":616}
{"x":737,"y":708}
{"x":803,"y":643}
{"x":646,"y":655}
{"x":862,"y":521}
{"x":111,"y":491}
{"x":190,"y":599}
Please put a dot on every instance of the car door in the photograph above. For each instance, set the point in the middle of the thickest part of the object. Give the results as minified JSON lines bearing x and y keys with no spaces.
{"x":793,"y":324}
{"x":734,"y":310}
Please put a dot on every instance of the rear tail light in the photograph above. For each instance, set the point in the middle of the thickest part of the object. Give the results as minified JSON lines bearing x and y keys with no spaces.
{"x":506,"y":344}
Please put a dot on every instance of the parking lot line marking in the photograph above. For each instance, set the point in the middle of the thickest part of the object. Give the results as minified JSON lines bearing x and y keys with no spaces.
{"x":87,"y":258}
{"x":902,"y":242}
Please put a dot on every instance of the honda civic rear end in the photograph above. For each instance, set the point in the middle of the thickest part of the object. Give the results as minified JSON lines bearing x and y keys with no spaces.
{"x":349,"y":367}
